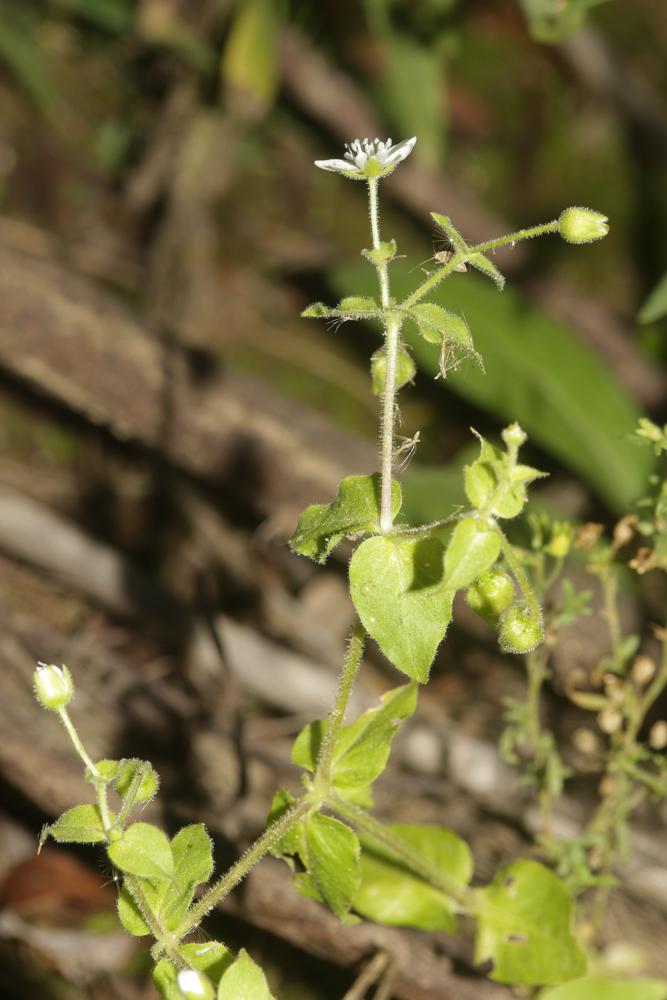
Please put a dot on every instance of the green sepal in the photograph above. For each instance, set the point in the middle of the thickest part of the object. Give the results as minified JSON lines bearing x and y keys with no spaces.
{"x":391,"y":894}
{"x":472,"y":549}
{"x":79,"y":825}
{"x":405,"y":369}
{"x":384,"y":254}
{"x":332,"y":853}
{"x":437,"y":325}
{"x":398,"y":588}
{"x":524,"y":926}
{"x":143,"y":850}
{"x":602,"y":988}
{"x":496,"y":485}
{"x":244,"y":980}
{"x":355,"y":510}
{"x":363,"y":747}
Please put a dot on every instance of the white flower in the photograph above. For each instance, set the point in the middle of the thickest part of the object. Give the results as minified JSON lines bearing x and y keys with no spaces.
{"x":369,"y":158}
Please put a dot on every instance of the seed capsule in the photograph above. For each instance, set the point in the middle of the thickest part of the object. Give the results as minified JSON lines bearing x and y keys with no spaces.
{"x":520,"y":630}
{"x":491,"y":594}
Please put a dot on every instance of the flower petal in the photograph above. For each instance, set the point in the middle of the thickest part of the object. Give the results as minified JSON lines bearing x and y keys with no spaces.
{"x":400,"y":151}
{"x":338,"y":166}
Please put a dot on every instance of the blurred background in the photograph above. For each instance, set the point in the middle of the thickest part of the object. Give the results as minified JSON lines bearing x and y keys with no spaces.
{"x":165,"y":414}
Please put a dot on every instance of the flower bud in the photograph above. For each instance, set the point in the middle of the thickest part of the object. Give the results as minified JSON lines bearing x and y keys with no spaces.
{"x":658,"y":735}
{"x":514,"y":435}
{"x":53,"y":686}
{"x":643,"y":670}
{"x":520,"y":630}
{"x":582,"y":225}
{"x":194,"y":986}
{"x":610,"y":721}
{"x":491,"y":594}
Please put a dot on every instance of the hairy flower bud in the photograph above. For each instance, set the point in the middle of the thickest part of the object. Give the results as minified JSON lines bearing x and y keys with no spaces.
{"x":520,"y":630}
{"x":582,"y":225}
{"x":53,"y":686}
{"x":491,"y":594}
{"x":194,"y":986}
{"x":514,"y":435}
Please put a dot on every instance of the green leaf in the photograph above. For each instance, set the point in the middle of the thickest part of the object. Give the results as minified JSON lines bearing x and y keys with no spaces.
{"x":193,"y":864}
{"x":106,"y":771}
{"x":244,"y":980}
{"x":437,"y":324}
{"x":363,"y":747}
{"x":537,"y":372}
{"x":483,"y":264}
{"x":143,"y":850}
{"x":398,"y":588}
{"x":601,"y":988}
{"x":250,"y":60}
{"x":129,"y":913}
{"x":318,"y":311}
{"x":405,"y":369}
{"x":655,"y":306}
{"x":472,"y":549}
{"x":391,"y":894}
{"x":450,"y":231}
{"x":166,"y":983}
{"x":210,"y":957}
{"x":356,"y":509}
{"x":125,"y":775}
{"x":80,"y":825}
{"x":524,"y":922}
{"x":358,"y":305}
{"x":292,"y":841}
{"x":332,"y":852}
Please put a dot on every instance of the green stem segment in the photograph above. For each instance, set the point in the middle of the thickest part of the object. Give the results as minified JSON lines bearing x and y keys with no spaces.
{"x":100,"y":786}
{"x":364,"y":824}
{"x":222,"y":888}
{"x":392,"y":346}
{"x":355,"y":651}
{"x":461,"y":256}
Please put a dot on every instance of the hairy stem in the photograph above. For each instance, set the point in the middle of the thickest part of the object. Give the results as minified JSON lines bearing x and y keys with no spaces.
{"x":403,"y":851}
{"x":518,"y":572}
{"x":355,"y":651}
{"x":246,"y":862}
{"x":392,"y":345}
{"x":100,"y":786}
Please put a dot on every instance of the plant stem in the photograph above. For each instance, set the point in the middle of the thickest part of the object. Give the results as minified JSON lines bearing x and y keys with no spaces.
{"x":412,"y":859}
{"x":520,"y":234}
{"x":245,"y":863}
{"x":166,"y":941}
{"x":519,"y":572}
{"x":355,"y":651}
{"x":392,"y":343}
{"x":392,"y":340}
{"x":100,"y":786}
{"x":461,"y":256}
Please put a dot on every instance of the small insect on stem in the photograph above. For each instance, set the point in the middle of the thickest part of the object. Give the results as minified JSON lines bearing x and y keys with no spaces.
{"x":406,"y":447}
